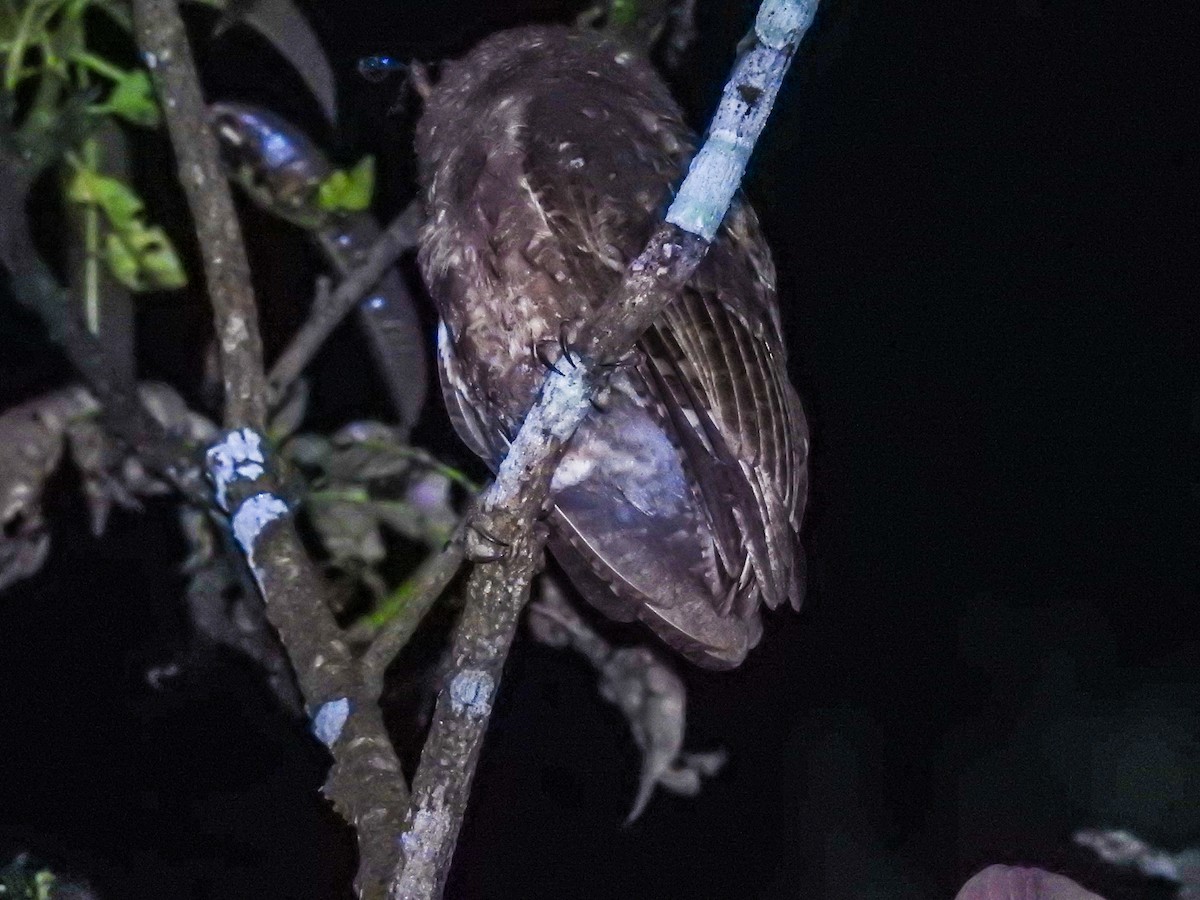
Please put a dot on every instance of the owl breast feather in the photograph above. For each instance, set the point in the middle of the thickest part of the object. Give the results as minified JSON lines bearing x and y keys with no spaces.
{"x":547,"y":157}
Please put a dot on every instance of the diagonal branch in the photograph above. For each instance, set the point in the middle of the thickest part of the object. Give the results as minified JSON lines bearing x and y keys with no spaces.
{"x":497,"y":591}
{"x":400,"y":236}
{"x":427,"y":586}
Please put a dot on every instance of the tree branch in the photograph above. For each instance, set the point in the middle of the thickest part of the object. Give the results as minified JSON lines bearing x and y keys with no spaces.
{"x":497,"y":591}
{"x":365,"y":783}
{"x":401,"y":235}
{"x":163,"y":41}
{"x":426,"y":586}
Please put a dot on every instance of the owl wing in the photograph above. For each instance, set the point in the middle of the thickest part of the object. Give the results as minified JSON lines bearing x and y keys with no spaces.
{"x":716,"y":363}
{"x":489,"y":443}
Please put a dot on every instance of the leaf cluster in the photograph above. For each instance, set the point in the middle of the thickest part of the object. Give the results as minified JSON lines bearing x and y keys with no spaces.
{"x":139,"y":255}
{"x":348,"y":190}
{"x":50,"y":74}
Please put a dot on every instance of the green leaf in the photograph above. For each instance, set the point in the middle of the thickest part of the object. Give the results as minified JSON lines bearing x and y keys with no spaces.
{"x":348,"y":191}
{"x":159,"y":259}
{"x":142,"y":258}
{"x":133,"y":100}
{"x":120,"y":202}
{"x":622,"y":12}
{"x":122,"y":262}
{"x":43,"y":883}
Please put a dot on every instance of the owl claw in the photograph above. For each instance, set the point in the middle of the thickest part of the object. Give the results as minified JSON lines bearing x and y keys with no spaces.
{"x":540,"y":357}
{"x":564,"y":345}
{"x":630,"y":360}
{"x":482,"y":545}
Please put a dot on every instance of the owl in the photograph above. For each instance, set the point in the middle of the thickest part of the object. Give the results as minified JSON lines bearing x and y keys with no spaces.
{"x":547,"y":157}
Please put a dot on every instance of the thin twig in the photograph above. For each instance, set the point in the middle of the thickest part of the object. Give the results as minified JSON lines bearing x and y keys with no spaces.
{"x":107,"y":303}
{"x":400,"y":236}
{"x":387,"y":313}
{"x":163,"y":41}
{"x":497,"y":591}
{"x":424,"y":590}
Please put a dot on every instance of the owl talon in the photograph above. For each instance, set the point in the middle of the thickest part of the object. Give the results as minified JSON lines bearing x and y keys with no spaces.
{"x":564,"y":345}
{"x":483,"y":546}
{"x":600,"y":400}
{"x":540,"y":357}
{"x":632,"y":359}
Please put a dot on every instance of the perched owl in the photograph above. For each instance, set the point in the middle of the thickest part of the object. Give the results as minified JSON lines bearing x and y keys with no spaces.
{"x":547,"y":157}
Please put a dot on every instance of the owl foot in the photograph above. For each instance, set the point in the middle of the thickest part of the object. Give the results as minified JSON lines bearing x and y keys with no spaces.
{"x":541,"y":350}
{"x":542,"y":358}
{"x":630,"y":360}
{"x":482,"y":546}
{"x":564,"y":343}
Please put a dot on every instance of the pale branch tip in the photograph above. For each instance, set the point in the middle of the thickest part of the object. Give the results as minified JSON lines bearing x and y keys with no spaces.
{"x":716,"y":171}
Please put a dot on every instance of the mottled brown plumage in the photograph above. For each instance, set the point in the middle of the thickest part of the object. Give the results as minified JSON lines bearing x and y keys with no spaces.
{"x":547,"y":157}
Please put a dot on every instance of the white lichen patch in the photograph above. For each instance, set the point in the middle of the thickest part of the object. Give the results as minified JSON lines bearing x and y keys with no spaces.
{"x":431,"y":823}
{"x":236,"y":331}
{"x":471,"y":693}
{"x":330,"y":719}
{"x":248,"y":522}
{"x":239,"y":456}
{"x":780,"y":22}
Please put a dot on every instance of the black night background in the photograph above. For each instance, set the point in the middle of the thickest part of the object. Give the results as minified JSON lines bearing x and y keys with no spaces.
{"x":985,"y":236}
